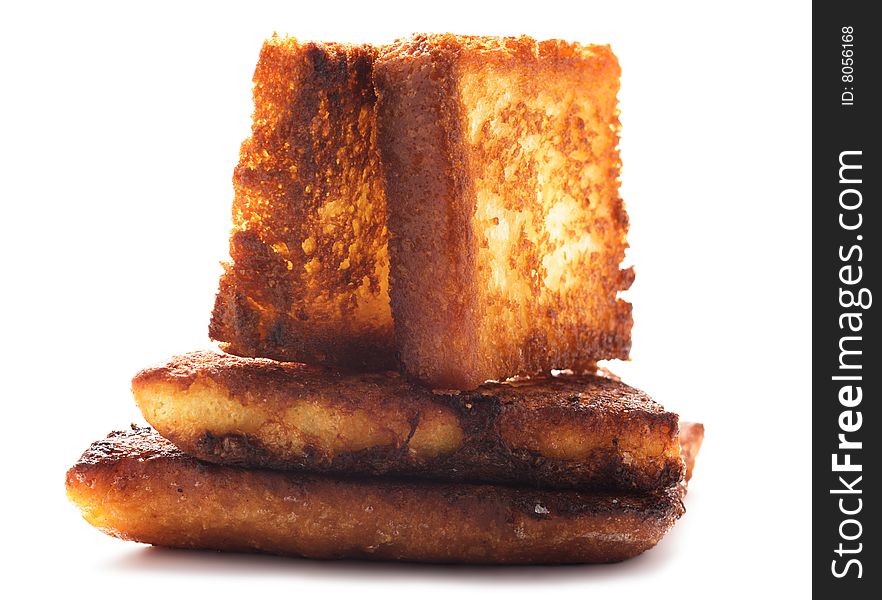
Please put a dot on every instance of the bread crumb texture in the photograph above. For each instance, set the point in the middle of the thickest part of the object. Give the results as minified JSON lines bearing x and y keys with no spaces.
{"x":309,"y":276}
{"x":507,"y":228}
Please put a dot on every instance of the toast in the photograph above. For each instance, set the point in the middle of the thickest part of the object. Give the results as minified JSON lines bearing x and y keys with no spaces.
{"x":691,"y":437}
{"x":578,"y":431}
{"x":137,"y":486}
{"x":506,"y":227}
{"x":308,"y":279}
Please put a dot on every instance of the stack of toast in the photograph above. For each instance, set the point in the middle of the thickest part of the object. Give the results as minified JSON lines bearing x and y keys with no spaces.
{"x":426,"y":268}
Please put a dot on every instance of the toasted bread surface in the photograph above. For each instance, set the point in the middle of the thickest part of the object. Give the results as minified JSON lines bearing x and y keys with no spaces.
{"x":137,"y":486}
{"x":691,"y":437}
{"x":309,"y":278}
{"x":506,"y":227}
{"x":585,"y":432}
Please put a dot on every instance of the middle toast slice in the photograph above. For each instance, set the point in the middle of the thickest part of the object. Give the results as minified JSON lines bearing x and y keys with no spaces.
{"x":571,"y":431}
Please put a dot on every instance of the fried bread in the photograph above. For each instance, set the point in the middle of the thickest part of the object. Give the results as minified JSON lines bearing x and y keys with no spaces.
{"x":570,"y":431}
{"x":308,"y":279}
{"x":691,"y":437}
{"x":507,"y":231}
{"x":137,"y":486}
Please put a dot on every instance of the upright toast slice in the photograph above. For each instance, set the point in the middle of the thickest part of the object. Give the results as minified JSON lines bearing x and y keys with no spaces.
{"x":506,"y":226}
{"x":577,"y":431}
{"x":309,"y":279}
{"x":137,"y":486}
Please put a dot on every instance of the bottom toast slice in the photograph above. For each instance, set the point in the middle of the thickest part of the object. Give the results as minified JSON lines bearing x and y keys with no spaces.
{"x":135,"y":485}
{"x":691,"y":437}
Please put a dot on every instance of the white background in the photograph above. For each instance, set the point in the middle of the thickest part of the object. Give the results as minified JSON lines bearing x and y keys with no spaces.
{"x":120,"y":129}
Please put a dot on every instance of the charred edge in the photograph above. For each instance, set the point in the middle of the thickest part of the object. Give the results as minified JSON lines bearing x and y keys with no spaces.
{"x":479,"y":462}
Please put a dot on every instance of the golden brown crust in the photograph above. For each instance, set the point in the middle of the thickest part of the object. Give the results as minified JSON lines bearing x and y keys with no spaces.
{"x":309,"y":273}
{"x":506,"y":227}
{"x":691,"y":437}
{"x":137,"y":486}
{"x":585,"y":432}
